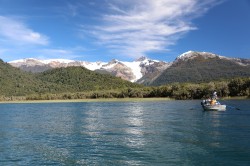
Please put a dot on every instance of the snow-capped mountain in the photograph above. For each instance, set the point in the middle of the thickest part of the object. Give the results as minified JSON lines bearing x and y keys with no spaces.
{"x":142,"y":70}
{"x":194,"y":54}
{"x":131,"y":71}
{"x":203,"y":67}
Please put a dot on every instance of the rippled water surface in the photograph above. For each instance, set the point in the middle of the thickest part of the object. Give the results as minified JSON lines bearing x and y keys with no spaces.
{"x":124,"y":133}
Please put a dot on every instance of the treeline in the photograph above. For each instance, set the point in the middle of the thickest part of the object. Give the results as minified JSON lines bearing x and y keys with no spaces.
{"x":179,"y":91}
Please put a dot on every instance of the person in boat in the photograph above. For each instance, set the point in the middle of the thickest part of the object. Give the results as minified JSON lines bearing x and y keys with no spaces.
{"x":213,"y":102}
{"x":214,"y":96}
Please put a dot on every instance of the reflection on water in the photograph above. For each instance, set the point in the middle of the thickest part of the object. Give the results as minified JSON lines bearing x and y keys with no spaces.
{"x":92,"y":122}
{"x":116,"y":133}
{"x":215,"y":119}
{"x":134,"y":127}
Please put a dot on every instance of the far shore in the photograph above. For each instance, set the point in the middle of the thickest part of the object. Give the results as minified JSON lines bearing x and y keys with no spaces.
{"x":91,"y":100}
{"x":235,"y":98}
{"x":111,"y":100}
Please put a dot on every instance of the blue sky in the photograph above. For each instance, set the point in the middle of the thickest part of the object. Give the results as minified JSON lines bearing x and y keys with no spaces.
{"x":101,"y":30}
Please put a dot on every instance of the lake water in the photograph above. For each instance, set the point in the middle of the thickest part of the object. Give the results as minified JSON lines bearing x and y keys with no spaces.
{"x":124,"y":133}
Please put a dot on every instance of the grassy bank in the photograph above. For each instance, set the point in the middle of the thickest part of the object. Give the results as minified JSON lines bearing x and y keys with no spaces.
{"x":112,"y":100}
{"x":235,"y":98}
{"x":91,"y":100}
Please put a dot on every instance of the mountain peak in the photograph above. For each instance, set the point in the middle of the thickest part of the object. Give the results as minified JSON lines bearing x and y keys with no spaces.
{"x":193,"y":54}
{"x":142,"y":58}
{"x":185,"y":54}
{"x":114,"y":61}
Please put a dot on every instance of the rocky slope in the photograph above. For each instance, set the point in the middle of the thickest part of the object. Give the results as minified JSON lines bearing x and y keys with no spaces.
{"x":131,"y":71}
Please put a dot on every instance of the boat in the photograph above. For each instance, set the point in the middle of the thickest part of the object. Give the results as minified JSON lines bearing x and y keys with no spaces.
{"x":212,"y":105}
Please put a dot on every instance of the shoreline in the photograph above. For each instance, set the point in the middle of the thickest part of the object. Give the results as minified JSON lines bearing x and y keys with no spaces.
{"x":89,"y":100}
{"x":235,"y":98}
{"x":111,"y":100}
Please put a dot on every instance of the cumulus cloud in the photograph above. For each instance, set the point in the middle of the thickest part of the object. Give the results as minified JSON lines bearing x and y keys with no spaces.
{"x":136,"y":27}
{"x":17,"y":32}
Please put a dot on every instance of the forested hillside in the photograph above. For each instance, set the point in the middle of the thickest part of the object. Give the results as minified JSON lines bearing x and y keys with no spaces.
{"x":201,"y":69}
{"x":80,"y":83}
{"x":81,"y":79}
{"x":15,"y":82}
{"x":180,"y":91}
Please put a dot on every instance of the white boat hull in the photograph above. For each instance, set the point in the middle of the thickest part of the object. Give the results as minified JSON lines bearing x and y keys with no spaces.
{"x":214,"y":107}
{"x":207,"y":106}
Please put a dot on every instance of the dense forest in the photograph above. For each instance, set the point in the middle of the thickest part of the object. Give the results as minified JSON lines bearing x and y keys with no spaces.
{"x":15,"y":82}
{"x":179,"y":91}
{"x":202,"y":69}
{"x":80,"y":83}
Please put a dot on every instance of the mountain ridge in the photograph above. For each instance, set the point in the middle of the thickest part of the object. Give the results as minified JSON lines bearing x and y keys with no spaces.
{"x":203,"y":67}
{"x":131,"y":71}
{"x":16,"y":82}
{"x":143,"y":70}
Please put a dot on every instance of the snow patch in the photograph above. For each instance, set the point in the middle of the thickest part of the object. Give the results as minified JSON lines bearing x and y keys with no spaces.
{"x":93,"y":65}
{"x":185,"y":55}
{"x":135,"y":66}
{"x":192,"y":54}
{"x":136,"y":69}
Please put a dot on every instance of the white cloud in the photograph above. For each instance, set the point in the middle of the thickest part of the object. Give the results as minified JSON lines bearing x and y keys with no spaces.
{"x":17,"y":32}
{"x":136,"y":27}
